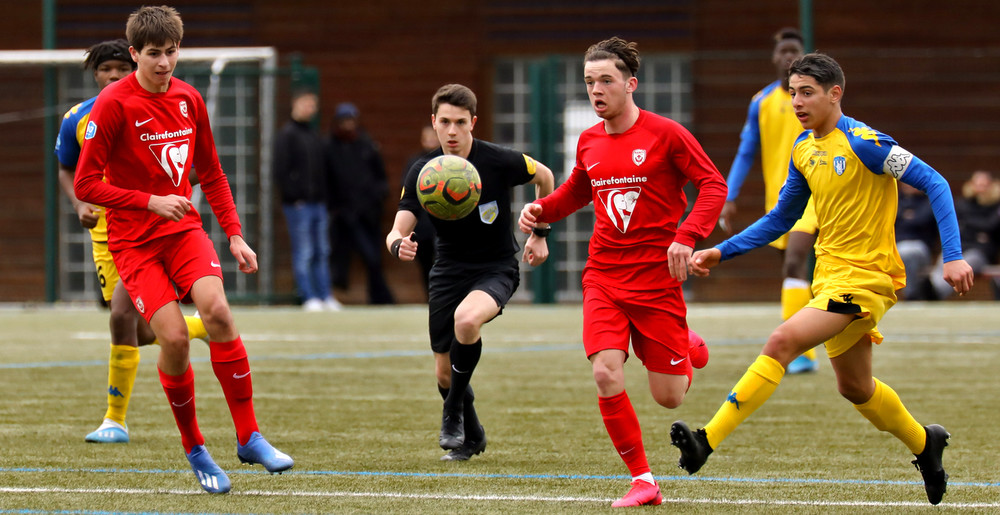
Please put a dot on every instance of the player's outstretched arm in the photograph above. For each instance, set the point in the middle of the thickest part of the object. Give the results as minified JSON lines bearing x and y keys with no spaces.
{"x":703,"y":260}
{"x":244,"y":255}
{"x":959,"y":275}
{"x":171,"y":207}
{"x":529,"y":216}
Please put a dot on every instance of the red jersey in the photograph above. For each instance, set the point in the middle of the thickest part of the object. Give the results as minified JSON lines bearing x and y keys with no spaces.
{"x":146,"y":144}
{"x":636,"y":181}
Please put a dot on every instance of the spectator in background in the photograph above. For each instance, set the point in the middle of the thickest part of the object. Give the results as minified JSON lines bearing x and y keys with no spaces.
{"x":357,"y":193}
{"x":916,"y":239}
{"x":301,"y":170}
{"x":424,"y":233}
{"x":978,"y":213}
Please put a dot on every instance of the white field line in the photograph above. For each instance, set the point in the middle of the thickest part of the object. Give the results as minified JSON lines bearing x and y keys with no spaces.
{"x":515,"y":498}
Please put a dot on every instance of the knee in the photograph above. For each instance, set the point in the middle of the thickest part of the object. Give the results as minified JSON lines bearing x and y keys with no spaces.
{"x":216,"y":314}
{"x":466,"y":325}
{"x":122,"y":315}
{"x":794,"y":266}
{"x":443,"y":377}
{"x":855,"y":391}
{"x":605,"y":377}
{"x":781,"y":346}
{"x":669,"y":400}
{"x":174,"y":340}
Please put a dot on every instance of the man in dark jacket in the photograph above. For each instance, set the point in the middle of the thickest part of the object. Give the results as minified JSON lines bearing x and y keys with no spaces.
{"x":301,"y":169}
{"x":356,"y":199}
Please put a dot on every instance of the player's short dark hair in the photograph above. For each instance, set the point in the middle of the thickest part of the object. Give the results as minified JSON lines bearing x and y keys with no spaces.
{"x":625,"y":54}
{"x":154,"y":25}
{"x":788,"y":33}
{"x":456,"y":95}
{"x":821,"y":67}
{"x":111,"y":50}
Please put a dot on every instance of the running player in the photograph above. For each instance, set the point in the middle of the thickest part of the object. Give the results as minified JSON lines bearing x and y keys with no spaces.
{"x":145,"y":133}
{"x":110,"y":61}
{"x":770,"y":130}
{"x":633,"y":166}
{"x":475,"y":269}
{"x":851,"y":171}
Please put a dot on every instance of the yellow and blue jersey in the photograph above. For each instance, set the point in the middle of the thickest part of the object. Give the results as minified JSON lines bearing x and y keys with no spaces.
{"x":850,"y":174}
{"x":68,"y":145}
{"x":770,"y":130}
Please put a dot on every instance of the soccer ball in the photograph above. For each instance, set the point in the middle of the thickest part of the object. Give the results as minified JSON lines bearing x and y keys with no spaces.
{"x":448,"y":187}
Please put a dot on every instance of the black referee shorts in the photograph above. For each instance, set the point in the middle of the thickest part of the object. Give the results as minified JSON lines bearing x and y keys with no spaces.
{"x":450,"y":282}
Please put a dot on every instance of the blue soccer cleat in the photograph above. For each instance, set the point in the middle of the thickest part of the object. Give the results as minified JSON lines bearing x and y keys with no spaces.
{"x":802,"y":365}
{"x":257,"y":450}
{"x":109,"y":432}
{"x":210,"y":476}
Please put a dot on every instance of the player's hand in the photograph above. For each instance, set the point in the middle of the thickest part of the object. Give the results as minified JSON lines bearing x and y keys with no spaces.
{"x":171,"y":207}
{"x":529,"y":216}
{"x":959,"y":275}
{"x":88,"y":215}
{"x":407,"y":248}
{"x":678,"y":256}
{"x":726,"y":217}
{"x":244,"y":255}
{"x":703,"y":260}
{"x":536,"y":250}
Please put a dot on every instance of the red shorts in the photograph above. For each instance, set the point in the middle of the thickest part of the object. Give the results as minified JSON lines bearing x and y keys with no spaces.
{"x":163,"y":270}
{"x":654,"y":320}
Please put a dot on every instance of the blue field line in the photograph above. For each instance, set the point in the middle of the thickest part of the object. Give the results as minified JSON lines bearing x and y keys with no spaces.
{"x":436,"y":475}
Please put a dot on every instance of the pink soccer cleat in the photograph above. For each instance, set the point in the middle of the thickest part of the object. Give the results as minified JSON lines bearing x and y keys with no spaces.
{"x":641,"y":494}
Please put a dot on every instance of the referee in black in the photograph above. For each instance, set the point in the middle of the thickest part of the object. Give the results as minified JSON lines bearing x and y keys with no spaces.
{"x":475,"y":271}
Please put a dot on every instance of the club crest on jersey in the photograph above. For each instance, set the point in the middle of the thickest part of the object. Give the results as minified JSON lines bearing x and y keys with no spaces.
{"x":184,"y":107}
{"x":91,"y":130}
{"x":172,"y":157}
{"x":619,"y":204}
{"x":639,"y":156}
{"x":488,"y":212}
{"x":839,"y":164}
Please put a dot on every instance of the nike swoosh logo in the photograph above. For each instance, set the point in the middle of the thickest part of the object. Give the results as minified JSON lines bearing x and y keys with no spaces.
{"x":676,"y":361}
{"x":593,"y":165}
{"x":626,"y":452}
{"x":238,"y":376}
{"x":140,"y":124}
{"x":215,"y":265}
{"x":181,"y":405}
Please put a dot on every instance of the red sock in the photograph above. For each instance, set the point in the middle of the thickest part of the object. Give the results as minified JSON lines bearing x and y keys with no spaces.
{"x":229,"y":361}
{"x":180,"y":393}
{"x":623,"y":428}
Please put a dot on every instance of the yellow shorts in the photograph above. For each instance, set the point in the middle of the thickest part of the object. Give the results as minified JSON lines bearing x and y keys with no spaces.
{"x":807,"y":224}
{"x":107,"y":272}
{"x":842,"y":288}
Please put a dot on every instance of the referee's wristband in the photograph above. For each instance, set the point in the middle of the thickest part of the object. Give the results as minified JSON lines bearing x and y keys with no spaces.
{"x":540,"y":232}
{"x":394,"y":248}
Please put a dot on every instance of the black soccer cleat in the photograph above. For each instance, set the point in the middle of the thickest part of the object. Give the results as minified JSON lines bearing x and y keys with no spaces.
{"x":468,"y":449}
{"x":452,"y":430}
{"x":930,"y":465}
{"x":693,"y":445}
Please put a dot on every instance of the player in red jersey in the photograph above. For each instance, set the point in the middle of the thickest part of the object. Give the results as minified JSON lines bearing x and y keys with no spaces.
{"x":145,"y":133}
{"x":633,"y":166}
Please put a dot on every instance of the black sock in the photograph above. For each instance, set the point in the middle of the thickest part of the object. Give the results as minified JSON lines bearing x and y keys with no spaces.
{"x":473,"y":430}
{"x":464,"y":359}
{"x":443,"y":391}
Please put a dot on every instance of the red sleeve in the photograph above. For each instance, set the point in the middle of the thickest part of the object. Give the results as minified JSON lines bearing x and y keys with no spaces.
{"x":89,"y":186}
{"x":699,"y":169}
{"x":567,"y":198}
{"x":211,"y":177}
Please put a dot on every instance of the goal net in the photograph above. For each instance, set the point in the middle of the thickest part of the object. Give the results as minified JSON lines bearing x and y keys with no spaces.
{"x":238,"y":85}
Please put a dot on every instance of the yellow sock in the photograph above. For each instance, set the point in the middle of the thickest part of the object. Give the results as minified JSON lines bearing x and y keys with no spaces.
{"x":196,"y":328}
{"x":795,"y":294}
{"x":886,"y":412}
{"x":122,"y":366}
{"x":756,"y":386}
